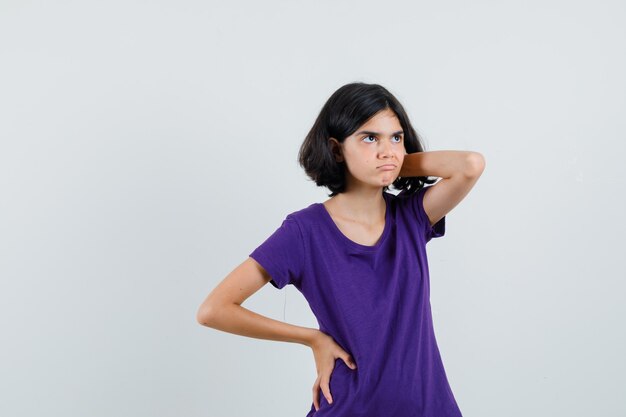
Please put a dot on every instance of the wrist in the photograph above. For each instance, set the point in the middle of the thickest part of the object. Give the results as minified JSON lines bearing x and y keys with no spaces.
{"x":311,"y":336}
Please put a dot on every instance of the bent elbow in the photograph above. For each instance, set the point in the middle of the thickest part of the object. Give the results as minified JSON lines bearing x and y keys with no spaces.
{"x":475,"y":165}
{"x":204,"y":315}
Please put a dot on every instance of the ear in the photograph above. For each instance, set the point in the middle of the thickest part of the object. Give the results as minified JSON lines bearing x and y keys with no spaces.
{"x":335,"y":148}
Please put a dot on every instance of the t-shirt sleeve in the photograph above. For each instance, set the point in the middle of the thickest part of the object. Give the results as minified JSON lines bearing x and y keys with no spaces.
{"x":282,"y":254}
{"x":436,"y":230}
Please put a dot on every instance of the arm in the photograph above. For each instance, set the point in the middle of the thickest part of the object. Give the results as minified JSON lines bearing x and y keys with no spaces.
{"x":222,"y":309}
{"x":459,"y":172}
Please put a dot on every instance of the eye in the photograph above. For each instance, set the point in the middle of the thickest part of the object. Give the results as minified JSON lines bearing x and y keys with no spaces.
{"x":367,"y":137}
{"x":399,"y":138}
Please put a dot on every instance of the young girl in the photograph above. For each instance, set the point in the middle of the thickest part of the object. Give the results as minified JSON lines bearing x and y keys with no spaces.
{"x":359,"y":259}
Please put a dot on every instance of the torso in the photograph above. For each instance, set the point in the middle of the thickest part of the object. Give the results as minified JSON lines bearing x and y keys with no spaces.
{"x":373,"y":300}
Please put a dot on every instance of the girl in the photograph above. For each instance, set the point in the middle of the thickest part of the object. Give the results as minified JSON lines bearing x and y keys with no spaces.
{"x":359,"y":259}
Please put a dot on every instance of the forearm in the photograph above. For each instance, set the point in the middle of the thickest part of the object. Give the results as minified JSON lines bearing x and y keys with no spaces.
{"x":442,"y":164}
{"x":239,"y":320}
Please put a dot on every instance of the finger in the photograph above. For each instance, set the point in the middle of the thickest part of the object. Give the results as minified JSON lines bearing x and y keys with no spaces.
{"x":324,"y":384}
{"x":349,"y":361}
{"x":316,"y":395}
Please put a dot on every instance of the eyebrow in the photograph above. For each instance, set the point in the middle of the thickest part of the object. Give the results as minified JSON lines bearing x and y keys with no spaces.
{"x":368,"y":132}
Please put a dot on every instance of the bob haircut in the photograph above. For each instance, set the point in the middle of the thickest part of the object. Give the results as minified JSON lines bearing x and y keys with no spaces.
{"x":348,"y":108}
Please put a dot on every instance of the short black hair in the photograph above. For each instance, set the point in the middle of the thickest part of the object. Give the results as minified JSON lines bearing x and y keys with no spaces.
{"x":348,"y":108}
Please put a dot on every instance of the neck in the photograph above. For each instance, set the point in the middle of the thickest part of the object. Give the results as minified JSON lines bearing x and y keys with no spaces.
{"x":366,"y":205}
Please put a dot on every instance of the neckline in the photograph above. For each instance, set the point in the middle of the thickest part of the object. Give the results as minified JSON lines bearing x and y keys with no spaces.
{"x":352,"y":243}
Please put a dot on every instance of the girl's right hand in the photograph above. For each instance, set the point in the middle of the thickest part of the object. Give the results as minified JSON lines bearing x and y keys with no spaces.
{"x":325,"y":351}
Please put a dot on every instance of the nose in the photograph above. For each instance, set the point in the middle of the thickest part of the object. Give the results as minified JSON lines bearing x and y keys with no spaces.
{"x":386,"y":149}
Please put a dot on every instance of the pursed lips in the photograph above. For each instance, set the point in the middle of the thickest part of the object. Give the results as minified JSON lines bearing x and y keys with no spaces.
{"x":387,"y":166}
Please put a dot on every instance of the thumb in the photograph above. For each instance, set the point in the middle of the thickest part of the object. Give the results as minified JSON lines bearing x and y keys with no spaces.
{"x":348,"y":361}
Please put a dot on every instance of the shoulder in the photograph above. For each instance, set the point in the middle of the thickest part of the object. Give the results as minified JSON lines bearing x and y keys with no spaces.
{"x":402,"y":198}
{"x":305,"y":217}
{"x":410,"y":203}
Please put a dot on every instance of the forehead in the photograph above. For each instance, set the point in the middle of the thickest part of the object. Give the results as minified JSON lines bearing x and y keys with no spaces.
{"x":384,"y":119}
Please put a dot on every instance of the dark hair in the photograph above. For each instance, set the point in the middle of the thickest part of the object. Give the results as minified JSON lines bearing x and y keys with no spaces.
{"x":346,"y":110}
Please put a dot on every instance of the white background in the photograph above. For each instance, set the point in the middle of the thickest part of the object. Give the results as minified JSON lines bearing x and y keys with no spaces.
{"x":148,"y":147}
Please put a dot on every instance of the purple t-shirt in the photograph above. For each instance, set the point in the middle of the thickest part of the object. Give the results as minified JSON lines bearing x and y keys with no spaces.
{"x":375,"y":303}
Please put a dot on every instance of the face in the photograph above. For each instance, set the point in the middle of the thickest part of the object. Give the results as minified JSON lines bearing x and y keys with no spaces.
{"x":374,"y":153}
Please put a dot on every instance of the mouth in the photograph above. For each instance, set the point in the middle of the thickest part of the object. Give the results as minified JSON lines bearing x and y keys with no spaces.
{"x":387,"y":167}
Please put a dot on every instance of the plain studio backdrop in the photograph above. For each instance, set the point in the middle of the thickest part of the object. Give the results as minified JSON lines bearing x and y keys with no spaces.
{"x":148,"y":147}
